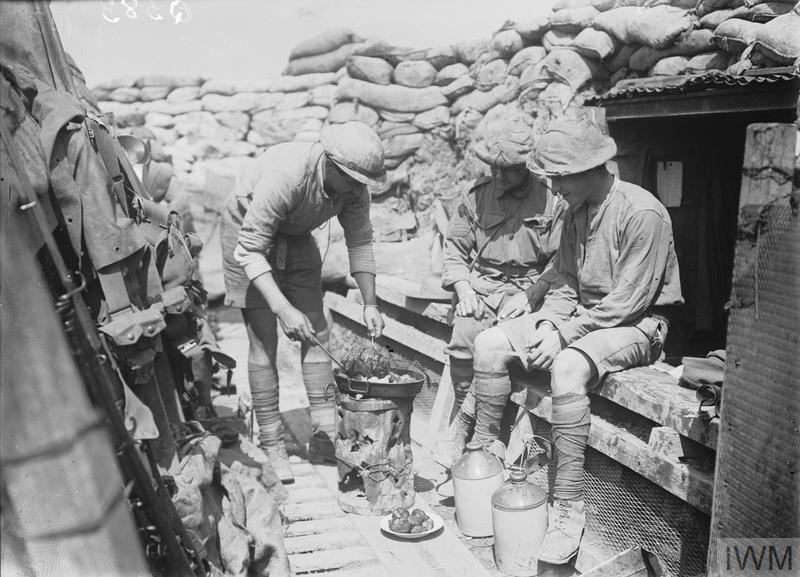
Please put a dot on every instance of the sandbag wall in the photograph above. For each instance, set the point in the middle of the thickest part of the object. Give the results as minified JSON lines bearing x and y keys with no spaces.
{"x":638,"y":38}
{"x":427,"y":105}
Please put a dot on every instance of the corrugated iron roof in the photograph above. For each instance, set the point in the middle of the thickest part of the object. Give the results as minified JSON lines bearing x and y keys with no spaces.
{"x":663,"y":85}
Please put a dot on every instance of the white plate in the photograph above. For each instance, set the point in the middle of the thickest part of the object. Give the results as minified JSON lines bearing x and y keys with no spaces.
{"x":438,"y":523}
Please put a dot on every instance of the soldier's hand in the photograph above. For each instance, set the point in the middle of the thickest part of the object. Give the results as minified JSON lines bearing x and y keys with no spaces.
{"x":471,"y":305}
{"x":515,"y":306}
{"x":544,"y":352}
{"x":296,"y":325}
{"x":374,"y":321}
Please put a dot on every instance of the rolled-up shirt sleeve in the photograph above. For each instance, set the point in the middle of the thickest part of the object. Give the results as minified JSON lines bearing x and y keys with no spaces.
{"x":272,"y":201}
{"x":638,"y":276}
{"x":459,"y":244}
{"x":354,"y":218}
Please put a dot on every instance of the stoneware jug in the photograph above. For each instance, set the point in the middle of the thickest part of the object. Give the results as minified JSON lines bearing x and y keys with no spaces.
{"x":519,"y":517}
{"x":476,"y":476}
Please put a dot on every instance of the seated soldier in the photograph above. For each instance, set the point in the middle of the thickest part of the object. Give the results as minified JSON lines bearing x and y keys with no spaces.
{"x":497,"y":246}
{"x":617,"y":275}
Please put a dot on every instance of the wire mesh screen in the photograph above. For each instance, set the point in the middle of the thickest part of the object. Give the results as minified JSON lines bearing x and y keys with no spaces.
{"x":624,"y":509}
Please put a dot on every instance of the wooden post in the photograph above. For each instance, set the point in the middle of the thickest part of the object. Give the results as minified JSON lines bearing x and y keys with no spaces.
{"x":373,"y":447}
{"x":758,"y":452}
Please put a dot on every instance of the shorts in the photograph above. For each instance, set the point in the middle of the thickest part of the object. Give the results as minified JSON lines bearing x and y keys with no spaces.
{"x":611,"y":350}
{"x":300,"y":279}
{"x":465,"y":329}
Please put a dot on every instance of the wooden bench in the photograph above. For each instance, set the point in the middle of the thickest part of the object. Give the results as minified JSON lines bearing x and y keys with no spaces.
{"x":676,"y":452}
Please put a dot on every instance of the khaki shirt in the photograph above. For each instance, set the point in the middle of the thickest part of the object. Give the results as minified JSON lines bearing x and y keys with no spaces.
{"x":283,"y":193}
{"x":513,"y":234}
{"x":613,"y":268}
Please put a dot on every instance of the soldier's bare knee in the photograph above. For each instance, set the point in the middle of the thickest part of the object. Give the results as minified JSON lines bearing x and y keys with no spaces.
{"x":491,"y":349}
{"x":571,"y":372}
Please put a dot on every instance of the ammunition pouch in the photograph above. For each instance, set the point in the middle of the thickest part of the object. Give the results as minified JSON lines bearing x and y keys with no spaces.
{"x":128,"y":326}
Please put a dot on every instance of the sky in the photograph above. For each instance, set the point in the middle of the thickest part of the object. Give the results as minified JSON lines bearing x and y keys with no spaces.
{"x":251,"y":39}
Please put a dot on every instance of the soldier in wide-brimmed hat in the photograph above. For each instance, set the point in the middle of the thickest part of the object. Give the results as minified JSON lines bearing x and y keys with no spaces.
{"x":607,"y":310}
{"x":497,"y":248}
{"x":273,"y":269}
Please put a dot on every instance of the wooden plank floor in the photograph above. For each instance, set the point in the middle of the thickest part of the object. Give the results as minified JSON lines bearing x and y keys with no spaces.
{"x":322,"y":540}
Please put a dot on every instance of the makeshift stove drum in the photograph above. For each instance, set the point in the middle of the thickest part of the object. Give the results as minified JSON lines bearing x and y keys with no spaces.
{"x":373,"y":442}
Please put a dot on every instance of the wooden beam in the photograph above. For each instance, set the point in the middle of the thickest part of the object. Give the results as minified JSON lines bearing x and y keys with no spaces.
{"x":680,"y":479}
{"x":400,"y":333}
{"x":656,"y":395}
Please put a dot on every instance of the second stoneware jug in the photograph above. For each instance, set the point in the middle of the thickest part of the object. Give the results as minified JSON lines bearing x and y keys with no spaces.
{"x":519,"y":517}
{"x":476,"y":476}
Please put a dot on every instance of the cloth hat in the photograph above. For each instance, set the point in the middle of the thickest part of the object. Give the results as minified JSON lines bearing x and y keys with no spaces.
{"x":506,"y":142}
{"x":357,"y":150}
{"x":570,"y":146}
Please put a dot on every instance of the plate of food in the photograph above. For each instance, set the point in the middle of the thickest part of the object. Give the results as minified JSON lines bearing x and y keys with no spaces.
{"x":411,"y":523}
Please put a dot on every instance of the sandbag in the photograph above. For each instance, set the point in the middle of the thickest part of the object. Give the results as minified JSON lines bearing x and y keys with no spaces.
{"x":708,"y":6}
{"x":392,"y":116}
{"x":398,"y":98}
{"x":490,"y":74}
{"x":387,"y":130}
{"x":450,"y":73}
{"x":595,"y":43}
{"x":336,"y":59}
{"x":414,"y":74}
{"x":751,"y":3}
{"x":766,"y":11}
{"x":302,"y":82}
{"x":440,"y":56}
{"x":532,"y":30}
{"x":342,"y":112}
{"x":685,"y":4}
{"x":735,"y":35}
{"x":327,"y":41}
{"x":370,"y":69}
{"x":524,"y":58}
{"x":402,"y":145}
{"x":556,"y":40}
{"x":573,"y":19}
{"x":483,"y":101}
{"x":327,"y":62}
{"x":693,"y":43}
{"x":506,"y":43}
{"x":432,"y":118}
{"x":779,"y":39}
{"x":621,"y":57}
{"x":659,"y":27}
{"x":670,"y":66}
{"x":532,"y":78}
{"x":459,"y":87}
{"x":617,"y":22}
{"x":469,"y":51}
{"x":717,"y":60}
{"x":556,"y":97}
{"x":569,"y":67}
{"x":568,"y":4}
{"x":714,"y":19}
{"x":603,"y":5}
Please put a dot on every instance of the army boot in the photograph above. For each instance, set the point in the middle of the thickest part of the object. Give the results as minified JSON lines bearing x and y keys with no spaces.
{"x":565,"y":522}
{"x":279,"y":459}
